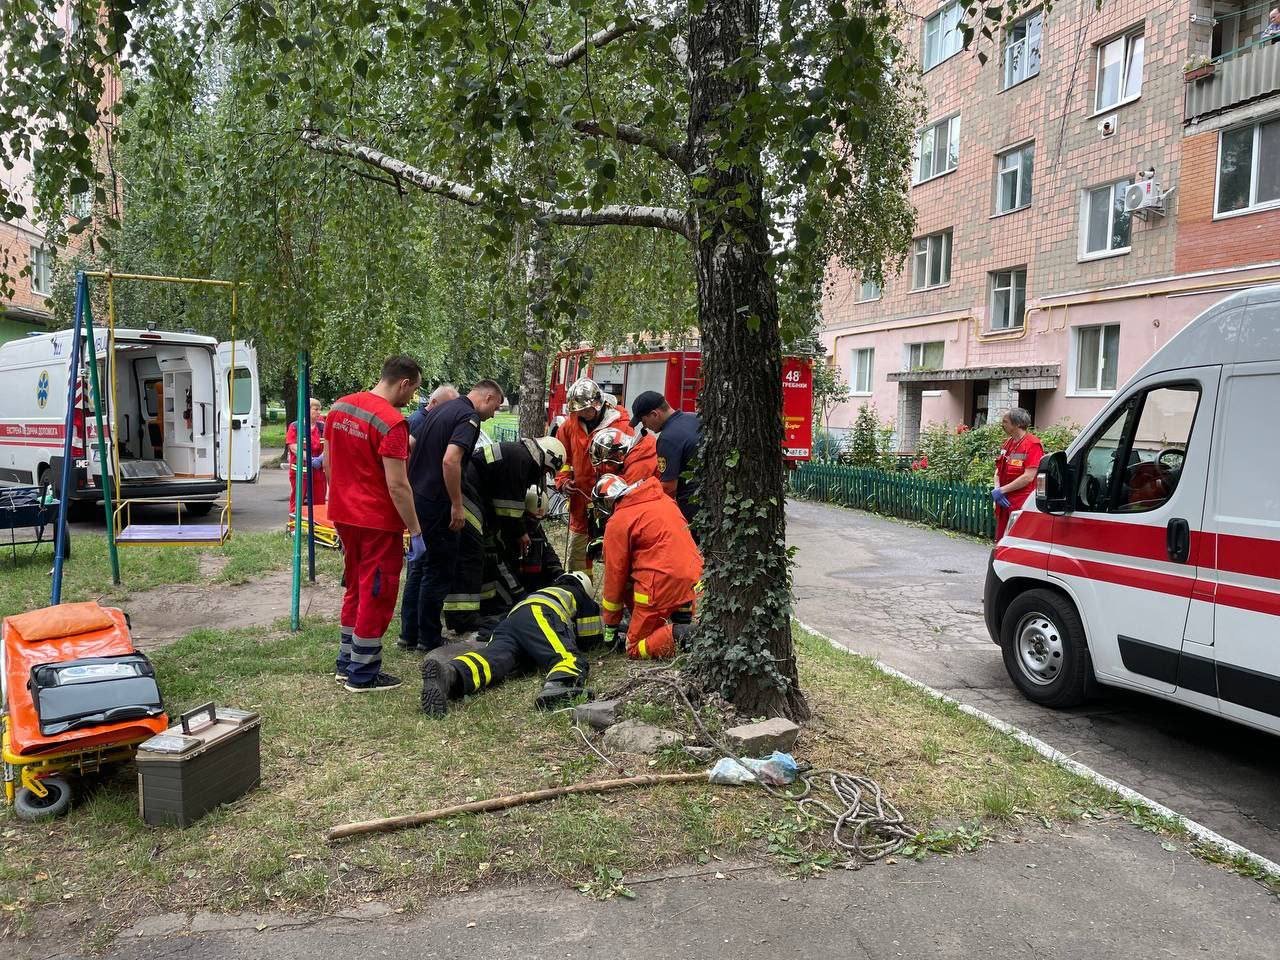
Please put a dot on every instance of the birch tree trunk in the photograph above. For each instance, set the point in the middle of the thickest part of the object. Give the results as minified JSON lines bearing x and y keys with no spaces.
{"x":747,"y":597}
{"x":533,"y":362}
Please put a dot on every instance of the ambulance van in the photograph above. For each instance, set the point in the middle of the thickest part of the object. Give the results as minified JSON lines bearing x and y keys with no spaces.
{"x":1150,"y":558}
{"x":181,"y":409}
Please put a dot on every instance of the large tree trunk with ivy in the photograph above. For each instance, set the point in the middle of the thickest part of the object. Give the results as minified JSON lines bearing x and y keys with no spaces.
{"x":747,"y":598}
{"x":533,"y":361}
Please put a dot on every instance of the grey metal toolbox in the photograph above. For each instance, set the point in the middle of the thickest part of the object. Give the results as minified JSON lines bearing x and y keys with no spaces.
{"x":191,"y":768}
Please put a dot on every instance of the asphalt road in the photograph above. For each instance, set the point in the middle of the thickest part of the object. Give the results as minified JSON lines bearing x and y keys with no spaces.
{"x":912,"y":598}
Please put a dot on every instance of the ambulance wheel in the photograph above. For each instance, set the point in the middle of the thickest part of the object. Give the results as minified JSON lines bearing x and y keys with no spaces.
{"x":1045,"y":650}
{"x":29,"y":807}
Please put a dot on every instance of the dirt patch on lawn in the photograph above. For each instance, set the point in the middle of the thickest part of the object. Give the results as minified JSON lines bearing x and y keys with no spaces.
{"x":167,"y":613}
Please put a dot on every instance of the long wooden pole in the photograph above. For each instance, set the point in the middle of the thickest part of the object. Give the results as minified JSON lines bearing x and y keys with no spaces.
{"x":390,"y":824}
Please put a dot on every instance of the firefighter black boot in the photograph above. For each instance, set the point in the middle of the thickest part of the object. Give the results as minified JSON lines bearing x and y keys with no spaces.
{"x":439,"y":682}
{"x":557,"y":691}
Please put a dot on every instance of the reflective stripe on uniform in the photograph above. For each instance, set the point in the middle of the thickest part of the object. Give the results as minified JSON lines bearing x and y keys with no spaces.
{"x":568,"y":662}
{"x":492,"y":453}
{"x":590,"y":626}
{"x":610,"y":605}
{"x":463,"y":601}
{"x":351,"y":410}
{"x":641,"y":650}
{"x":642,"y":598}
{"x":508,"y":508}
{"x":475,"y":658}
{"x":475,"y":672}
{"x":473,"y":514}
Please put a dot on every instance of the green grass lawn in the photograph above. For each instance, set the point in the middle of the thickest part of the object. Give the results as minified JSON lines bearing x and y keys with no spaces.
{"x":272,"y":436}
{"x":329,"y":758}
{"x":87,"y":574}
{"x":504,"y":419}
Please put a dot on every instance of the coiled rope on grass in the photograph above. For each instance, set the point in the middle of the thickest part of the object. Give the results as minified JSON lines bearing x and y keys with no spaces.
{"x":863,"y":822}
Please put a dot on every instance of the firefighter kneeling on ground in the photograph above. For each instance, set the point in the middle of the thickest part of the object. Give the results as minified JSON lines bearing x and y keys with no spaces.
{"x":548,"y":631}
{"x":651,"y":565}
{"x":590,"y":411}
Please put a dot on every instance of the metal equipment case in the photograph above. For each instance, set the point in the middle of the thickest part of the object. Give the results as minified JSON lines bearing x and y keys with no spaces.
{"x":191,"y":768}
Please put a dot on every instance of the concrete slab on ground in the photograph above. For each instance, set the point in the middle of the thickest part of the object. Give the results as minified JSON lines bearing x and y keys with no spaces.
{"x":912,"y":598}
{"x":1102,"y":892}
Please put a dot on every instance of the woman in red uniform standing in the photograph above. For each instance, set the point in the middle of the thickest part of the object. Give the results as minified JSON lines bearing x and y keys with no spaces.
{"x":319,"y":487}
{"x":1015,"y":466}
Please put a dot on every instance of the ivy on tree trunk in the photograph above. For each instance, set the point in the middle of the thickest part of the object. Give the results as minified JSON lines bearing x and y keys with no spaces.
{"x":743,"y":642}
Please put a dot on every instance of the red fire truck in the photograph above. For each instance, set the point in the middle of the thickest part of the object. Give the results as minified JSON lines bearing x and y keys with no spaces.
{"x":676,"y":374}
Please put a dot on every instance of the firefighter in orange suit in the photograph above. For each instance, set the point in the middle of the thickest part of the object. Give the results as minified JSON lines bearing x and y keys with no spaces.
{"x":650,"y":565}
{"x":634,"y":457}
{"x":590,"y":411}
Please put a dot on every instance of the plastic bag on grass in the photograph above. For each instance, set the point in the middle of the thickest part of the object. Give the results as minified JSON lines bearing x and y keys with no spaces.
{"x":776,"y":771}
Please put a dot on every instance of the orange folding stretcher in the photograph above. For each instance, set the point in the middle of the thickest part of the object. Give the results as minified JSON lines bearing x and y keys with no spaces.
{"x":77,"y":698}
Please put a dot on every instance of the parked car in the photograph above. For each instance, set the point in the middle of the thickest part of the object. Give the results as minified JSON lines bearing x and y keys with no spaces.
{"x":1151,"y":557}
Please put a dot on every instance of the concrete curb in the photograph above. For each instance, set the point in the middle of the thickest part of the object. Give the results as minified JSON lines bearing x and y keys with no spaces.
{"x":1197,"y":830}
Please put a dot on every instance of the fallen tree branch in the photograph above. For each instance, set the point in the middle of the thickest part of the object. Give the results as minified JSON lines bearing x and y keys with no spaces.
{"x":390,"y":824}
{"x":636,"y":136}
{"x":621,"y":215}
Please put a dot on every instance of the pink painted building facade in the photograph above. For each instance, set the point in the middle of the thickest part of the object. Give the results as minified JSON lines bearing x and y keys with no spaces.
{"x":1029,"y":283}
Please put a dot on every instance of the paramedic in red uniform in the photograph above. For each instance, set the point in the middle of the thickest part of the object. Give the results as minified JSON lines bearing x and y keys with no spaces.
{"x":1016,"y":466}
{"x":371,"y":505}
{"x":317,"y":454}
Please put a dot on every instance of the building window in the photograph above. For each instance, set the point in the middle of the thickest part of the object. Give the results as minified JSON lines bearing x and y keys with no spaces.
{"x":868,"y":290}
{"x":41,"y":270}
{"x":1008,"y":299}
{"x":942,"y":37}
{"x":81,"y":205}
{"x":1097,"y":358}
{"x":925,"y":356}
{"x":1013,"y":178}
{"x":1120,"y":70}
{"x":938,"y":149}
{"x":1022,"y":49}
{"x":862,"y":367}
{"x":1249,"y":167}
{"x":1104,"y":224}
{"x":931,"y":261}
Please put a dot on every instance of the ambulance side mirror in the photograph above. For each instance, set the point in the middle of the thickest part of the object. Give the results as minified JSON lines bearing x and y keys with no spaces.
{"x":1053,"y":484}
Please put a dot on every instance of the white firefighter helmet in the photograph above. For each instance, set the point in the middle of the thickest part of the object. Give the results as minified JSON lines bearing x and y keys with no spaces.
{"x":584,"y":393}
{"x":609,"y":448}
{"x":535,"y":501}
{"x":584,"y":581}
{"x":608,"y":491}
{"x":553,"y":453}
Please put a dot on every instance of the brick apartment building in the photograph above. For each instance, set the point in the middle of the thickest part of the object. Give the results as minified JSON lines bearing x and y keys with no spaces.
{"x":25,"y":252}
{"x":1028,"y":282}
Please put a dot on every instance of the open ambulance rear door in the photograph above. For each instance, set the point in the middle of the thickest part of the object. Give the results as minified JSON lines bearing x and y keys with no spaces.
{"x":239,"y":410}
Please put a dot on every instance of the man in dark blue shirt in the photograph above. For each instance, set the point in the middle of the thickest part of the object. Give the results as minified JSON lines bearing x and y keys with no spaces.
{"x":443,"y":441}
{"x":679,"y":435}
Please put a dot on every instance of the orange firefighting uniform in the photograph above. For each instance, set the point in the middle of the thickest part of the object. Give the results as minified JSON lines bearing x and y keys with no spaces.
{"x":651,"y":565}
{"x":577,"y":473}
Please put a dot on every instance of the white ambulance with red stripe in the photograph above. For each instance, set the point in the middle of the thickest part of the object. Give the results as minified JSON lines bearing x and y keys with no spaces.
{"x":179,"y":410}
{"x":1150,"y":558}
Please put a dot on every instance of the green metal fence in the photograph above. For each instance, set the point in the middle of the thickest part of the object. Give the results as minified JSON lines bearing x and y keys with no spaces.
{"x":505,"y":434}
{"x":911,"y":496}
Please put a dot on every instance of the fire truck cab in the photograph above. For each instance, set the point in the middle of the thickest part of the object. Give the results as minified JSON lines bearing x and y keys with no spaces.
{"x":677,"y":375}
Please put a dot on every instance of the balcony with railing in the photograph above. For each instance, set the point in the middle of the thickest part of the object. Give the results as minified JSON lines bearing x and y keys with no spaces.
{"x":1248,"y":73}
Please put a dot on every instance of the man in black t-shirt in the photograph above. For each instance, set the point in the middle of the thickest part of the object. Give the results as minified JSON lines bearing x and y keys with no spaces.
{"x":443,"y":443}
{"x":679,"y":435}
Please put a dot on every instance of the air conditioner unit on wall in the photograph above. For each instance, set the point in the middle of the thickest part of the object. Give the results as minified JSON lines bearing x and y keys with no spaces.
{"x":1144,"y":196}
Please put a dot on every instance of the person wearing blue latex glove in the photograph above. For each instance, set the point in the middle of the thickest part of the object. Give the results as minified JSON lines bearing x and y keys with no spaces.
{"x":1000,"y":500}
{"x":417,"y":548}
{"x":317,"y":463}
{"x":1016,"y":466}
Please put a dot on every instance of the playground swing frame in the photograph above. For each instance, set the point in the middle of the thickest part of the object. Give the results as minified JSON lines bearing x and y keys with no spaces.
{"x":83,"y":342}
